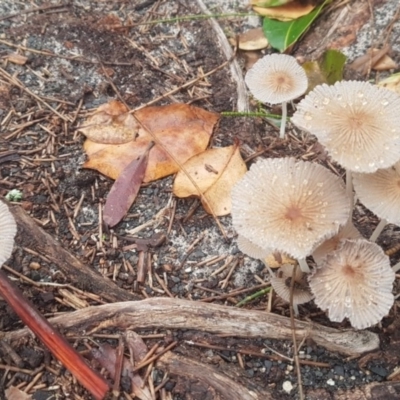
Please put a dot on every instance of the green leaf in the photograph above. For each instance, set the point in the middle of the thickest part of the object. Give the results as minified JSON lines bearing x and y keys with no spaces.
{"x":332,"y":65}
{"x":282,"y":34}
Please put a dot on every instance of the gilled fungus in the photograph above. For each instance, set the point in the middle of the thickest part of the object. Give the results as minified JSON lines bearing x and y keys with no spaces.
{"x":380,"y":192}
{"x":8,"y":229}
{"x":277,"y":78}
{"x":357,"y":122}
{"x":289,"y":206}
{"x":349,"y":231}
{"x":355,"y":281}
{"x":281,"y":283}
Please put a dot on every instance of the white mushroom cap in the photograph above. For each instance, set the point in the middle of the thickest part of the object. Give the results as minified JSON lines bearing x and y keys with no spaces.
{"x":358,"y":123}
{"x":289,"y":206}
{"x":8,"y":229}
{"x":252,"y":250}
{"x":349,"y":231}
{"x":282,"y":281}
{"x":276,"y":78}
{"x":354,"y":281}
{"x":380,"y":192}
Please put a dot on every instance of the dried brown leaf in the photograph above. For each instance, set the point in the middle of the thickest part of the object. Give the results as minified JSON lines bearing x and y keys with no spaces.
{"x":182,"y":129}
{"x":215,"y":172}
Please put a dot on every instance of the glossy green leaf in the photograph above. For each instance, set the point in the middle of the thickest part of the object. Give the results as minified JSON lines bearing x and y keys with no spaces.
{"x":332,"y":65}
{"x":282,"y":34}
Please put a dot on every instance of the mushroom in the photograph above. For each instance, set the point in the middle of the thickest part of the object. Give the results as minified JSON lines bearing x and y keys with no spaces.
{"x":8,"y":229}
{"x":349,"y":231}
{"x":357,"y":122}
{"x":277,"y":78}
{"x":380,"y":192}
{"x":247,"y":247}
{"x":354,"y":281}
{"x":282,"y":281}
{"x":289,"y":206}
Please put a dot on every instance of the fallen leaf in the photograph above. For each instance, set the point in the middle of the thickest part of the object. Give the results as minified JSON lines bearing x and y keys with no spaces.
{"x":125,"y":189}
{"x":391,"y":83}
{"x":253,"y":39}
{"x":111,"y":124}
{"x":373,"y":59}
{"x":182,"y":129}
{"x":215,"y":172}
{"x":13,"y":393}
{"x":283,"y":34}
{"x":286,"y":12}
{"x":328,"y":69}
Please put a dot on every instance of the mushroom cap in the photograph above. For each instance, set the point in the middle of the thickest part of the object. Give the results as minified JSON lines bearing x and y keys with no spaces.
{"x":282,"y":281}
{"x":354,"y":281}
{"x":358,"y":123}
{"x":380,"y":192}
{"x":349,"y":231}
{"x":289,"y":206}
{"x":252,"y":250}
{"x":276,"y":78}
{"x":8,"y":229}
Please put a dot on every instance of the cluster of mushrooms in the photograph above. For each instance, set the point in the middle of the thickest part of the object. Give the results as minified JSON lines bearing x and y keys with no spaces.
{"x":296,"y":209}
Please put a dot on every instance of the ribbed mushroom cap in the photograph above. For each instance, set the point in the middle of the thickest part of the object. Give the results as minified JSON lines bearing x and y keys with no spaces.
{"x":354,"y":281}
{"x":289,"y":206}
{"x":358,"y":123}
{"x":349,"y":231}
{"x":276,"y":78}
{"x":8,"y":229}
{"x":380,"y":192}
{"x":282,"y":281}
{"x":252,"y":250}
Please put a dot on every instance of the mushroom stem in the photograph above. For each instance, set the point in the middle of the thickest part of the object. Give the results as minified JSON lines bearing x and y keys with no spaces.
{"x":396,"y":267}
{"x":378,"y":230}
{"x":295,"y":309}
{"x":303,"y":265}
{"x":349,"y":188}
{"x":283,"y":120}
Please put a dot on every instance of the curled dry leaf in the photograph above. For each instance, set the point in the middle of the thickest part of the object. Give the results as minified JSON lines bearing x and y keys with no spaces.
{"x":215,"y":172}
{"x":111,"y":124}
{"x":253,"y":39}
{"x":125,"y":189}
{"x":182,"y":129}
{"x":286,"y":12}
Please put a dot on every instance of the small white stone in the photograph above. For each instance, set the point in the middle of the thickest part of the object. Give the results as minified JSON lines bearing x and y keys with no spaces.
{"x":287,"y":386}
{"x":330,"y":382}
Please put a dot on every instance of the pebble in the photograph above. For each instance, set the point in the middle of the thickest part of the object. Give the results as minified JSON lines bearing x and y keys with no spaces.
{"x":330,"y":382}
{"x":287,"y":387}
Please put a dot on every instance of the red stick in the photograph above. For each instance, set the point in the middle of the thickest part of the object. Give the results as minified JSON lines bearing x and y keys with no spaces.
{"x":59,"y":347}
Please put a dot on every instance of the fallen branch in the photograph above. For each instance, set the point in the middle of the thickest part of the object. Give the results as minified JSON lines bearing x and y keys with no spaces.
{"x":169,"y":313}
{"x":228,"y":387}
{"x":30,"y":235}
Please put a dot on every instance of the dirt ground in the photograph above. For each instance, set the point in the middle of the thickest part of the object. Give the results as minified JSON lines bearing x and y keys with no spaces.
{"x":81,"y":54}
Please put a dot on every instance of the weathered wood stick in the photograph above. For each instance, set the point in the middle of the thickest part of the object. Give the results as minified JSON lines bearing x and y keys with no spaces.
{"x":32,"y":236}
{"x":169,"y":313}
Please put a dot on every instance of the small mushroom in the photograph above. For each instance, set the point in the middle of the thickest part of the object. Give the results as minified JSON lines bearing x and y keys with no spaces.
{"x":8,"y":230}
{"x":252,"y":250}
{"x":355,"y":281}
{"x":358,"y":124}
{"x":277,"y":78}
{"x":282,"y":281}
{"x":349,"y":231}
{"x":289,"y":206}
{"x":380,"y":192}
